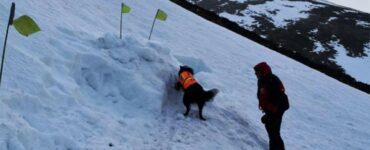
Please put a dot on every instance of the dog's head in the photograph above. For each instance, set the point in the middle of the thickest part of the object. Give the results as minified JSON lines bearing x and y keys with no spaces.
{"x":185,"y":68}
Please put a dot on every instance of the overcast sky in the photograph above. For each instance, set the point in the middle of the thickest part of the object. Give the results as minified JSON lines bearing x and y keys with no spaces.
{"x":363,"y":5}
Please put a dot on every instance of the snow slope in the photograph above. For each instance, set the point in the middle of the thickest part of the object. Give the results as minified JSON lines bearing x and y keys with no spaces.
{"x":76,"y":85}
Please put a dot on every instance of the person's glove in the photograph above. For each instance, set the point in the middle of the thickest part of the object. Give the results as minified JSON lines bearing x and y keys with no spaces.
{"x":264,"y":119}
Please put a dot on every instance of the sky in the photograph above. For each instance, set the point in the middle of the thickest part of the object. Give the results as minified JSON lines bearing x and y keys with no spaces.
{"x":363,"y":5}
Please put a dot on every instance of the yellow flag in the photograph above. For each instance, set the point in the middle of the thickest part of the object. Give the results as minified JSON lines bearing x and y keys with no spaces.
{"x":161,"y":15}
{"x":25,"y":25}
{"x":125,"y":8}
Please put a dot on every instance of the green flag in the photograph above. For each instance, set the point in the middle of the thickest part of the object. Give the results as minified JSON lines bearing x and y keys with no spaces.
{"x":125,"y":8}
{"x":161,"y":15}
{"x":25,"y":25}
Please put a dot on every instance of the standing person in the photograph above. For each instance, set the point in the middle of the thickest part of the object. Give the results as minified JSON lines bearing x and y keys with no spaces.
{"x":273,"y":102}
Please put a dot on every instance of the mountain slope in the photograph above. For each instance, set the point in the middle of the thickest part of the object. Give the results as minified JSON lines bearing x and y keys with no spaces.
{"x":325,"y":34}
{"x":76,"y":85}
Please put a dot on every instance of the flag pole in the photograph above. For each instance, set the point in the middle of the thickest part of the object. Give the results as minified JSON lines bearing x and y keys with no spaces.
{"x":120,"y":31}
{"x":10,"y":22}
{"x":155,"y":17}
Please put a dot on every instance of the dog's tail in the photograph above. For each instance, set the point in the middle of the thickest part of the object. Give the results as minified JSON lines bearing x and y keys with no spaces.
{"x":209,"y":95}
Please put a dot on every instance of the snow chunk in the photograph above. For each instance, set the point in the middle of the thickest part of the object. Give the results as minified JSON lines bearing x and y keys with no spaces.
{"x":332,"y":18}
{"x":363,"y":23}
{"x":318,"y":48}
{"x":197,"y":64}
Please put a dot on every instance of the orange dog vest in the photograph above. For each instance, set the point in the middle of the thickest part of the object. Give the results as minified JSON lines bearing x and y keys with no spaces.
{"x":186,"y":79}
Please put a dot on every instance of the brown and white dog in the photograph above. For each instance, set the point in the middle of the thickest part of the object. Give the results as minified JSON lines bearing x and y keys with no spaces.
{"x":193,"y":91}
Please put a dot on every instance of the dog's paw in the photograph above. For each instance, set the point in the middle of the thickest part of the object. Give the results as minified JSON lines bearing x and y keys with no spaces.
{"x":203,"y":119}
{"x":186,"y":114}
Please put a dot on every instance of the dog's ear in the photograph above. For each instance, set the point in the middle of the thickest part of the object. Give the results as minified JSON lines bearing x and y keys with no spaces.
{"x":186,"y":68}
{"x":181,"y":69}
{"x":191,"y":70}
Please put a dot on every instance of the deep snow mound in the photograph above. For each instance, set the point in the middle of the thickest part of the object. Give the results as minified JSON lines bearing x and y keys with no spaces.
{"x":81,"y":106}
{"x":124,"y":70}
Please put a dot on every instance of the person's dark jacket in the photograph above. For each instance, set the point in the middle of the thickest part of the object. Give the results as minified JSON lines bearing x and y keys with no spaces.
{"x":271,"y":91}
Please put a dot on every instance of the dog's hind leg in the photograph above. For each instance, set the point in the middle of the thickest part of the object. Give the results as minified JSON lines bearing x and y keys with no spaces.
{"x":200,"y":107}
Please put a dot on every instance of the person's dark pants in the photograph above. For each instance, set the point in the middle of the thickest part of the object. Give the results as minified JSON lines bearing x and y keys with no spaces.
{"x":273,"y":123}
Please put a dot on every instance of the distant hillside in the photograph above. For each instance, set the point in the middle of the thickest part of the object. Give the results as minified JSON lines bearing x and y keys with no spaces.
{"x":332,"y":39}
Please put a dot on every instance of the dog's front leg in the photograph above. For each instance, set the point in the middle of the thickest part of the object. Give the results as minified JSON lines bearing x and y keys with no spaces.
{"x":187,"y":109}
{"x":200,"y":107}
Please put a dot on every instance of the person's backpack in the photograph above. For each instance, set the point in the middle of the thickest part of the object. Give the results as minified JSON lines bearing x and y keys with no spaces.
{"x":284,"y":102}
{"x":277,"y":93}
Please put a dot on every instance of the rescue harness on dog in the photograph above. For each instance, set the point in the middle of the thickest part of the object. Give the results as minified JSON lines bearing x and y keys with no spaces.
{"x":186,"y":79}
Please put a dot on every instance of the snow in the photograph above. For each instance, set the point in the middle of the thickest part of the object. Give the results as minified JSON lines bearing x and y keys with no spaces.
{"x":353,"y":66}
{"x":240,"y":1}
{"x":196,"y":64}
{"x":332,"y":18}
{"x":367,"y":48}
{"x":319,"y":48}
{"x":326,"y":2}
{"x":363,"y":23}
{"x":76,"y":85}
{"x":362,"y":5}
{"x":245,"y":21}
{"x":314,"y":31}
{"x":282,"y":12}
{"x":286,"y":12}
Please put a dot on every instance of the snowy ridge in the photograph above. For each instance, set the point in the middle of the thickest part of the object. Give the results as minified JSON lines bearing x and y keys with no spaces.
{"x":327,"y":2}
{"x":76,"y":85}
{"x":359,"y":5}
